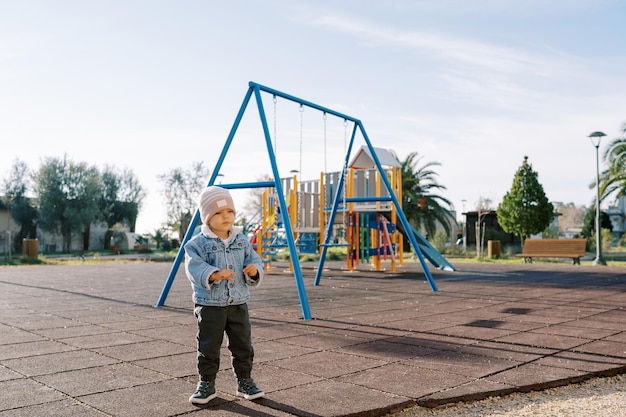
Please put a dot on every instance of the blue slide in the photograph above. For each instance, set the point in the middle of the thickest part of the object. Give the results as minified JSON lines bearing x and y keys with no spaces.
{"x":428,"y":250}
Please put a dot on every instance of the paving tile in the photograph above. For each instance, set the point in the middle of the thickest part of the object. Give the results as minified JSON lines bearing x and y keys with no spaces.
{"x":274,"y":378}
{"x":18,"y":393}
{"x":552,"y":341}
{"x":571,"y":329}
{"x":134,"y":324}
{"x":177,"y":366}
{"x":333,"y":398}
{"x":104,"y":339}
{"x":582,"y":361}
{"x":62,"y":408}
{"x":327,"y":364}
{"x":163,"y":398}
{"x":461,"y":363}
{"x":478,"y":389}
{"x":327,"y":340}
{"x":176,"y":334}
{"x":474,"y":332}
{"x":268,"y":351}
{"x":60,"y":333}
{"x":619,"y":337}
{"x":274,"y":331}
{"x":57,"y":362}
{"x":7,"y":374}
{"x":408,"y":381}
{"x":511,"y":351}
{"x":143,"y":350}
{"x":424,"y":324}
{"x":239,"y":408}
{"x":535,"y":376}
{"x":433,"y":341}
{"x":100,"y":379}
{"x":388,"y":351}
{"x":11,"y":335}
{"x":37,"y":321}
{"x":604,"y":347}
{"x":29,"y":349}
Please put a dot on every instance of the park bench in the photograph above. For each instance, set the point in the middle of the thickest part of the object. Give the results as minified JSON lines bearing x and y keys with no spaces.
{"x":553,"y":248}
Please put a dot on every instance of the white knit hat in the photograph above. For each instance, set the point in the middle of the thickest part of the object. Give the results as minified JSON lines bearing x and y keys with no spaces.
{"x":213,"y":199}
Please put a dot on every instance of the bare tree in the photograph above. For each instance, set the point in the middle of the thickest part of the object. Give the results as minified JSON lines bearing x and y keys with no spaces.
{"x":181,"y":188}
{"x":483,"y":207}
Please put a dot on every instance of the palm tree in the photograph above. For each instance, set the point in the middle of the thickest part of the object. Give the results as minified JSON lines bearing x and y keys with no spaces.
{"x":613,"y":179}
{"x":422,"y":207}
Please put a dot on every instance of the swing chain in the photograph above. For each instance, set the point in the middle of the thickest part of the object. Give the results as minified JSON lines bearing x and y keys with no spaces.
{"x":275,"y":135}
{"x":345,"y":177}
{"x":299,"y":191}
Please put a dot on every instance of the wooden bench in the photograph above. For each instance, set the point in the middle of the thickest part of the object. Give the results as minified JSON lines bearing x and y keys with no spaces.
{"x":553,"y":248}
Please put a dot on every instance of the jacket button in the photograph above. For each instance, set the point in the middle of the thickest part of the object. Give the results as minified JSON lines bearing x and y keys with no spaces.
{"x":230,"y":267}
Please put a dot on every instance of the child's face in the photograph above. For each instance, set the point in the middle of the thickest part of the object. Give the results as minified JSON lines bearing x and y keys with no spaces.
{"x":221,"y":222}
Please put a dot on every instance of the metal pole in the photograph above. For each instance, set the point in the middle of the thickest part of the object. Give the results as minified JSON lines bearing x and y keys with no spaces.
{"x":595,"y":141}
{"x":599,"y":259}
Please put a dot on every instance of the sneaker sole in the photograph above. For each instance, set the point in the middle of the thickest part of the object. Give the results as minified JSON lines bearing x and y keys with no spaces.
{"x":250,"y":397}
{"x":202,"y":400}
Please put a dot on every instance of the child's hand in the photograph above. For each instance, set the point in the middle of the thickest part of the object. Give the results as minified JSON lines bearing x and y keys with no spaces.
{"x":251,"y":271}
{"x":224,"y":274}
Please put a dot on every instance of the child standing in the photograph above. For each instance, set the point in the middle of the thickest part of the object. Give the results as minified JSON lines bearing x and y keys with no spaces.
{"x":221,"y":265}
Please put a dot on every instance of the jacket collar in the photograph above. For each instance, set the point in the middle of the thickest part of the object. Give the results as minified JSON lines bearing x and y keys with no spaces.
{"x":234,"y":231}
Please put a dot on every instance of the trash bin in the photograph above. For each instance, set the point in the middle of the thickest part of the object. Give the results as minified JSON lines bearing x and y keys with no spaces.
{"x":493,"y":249}
{"x":30,"y":248}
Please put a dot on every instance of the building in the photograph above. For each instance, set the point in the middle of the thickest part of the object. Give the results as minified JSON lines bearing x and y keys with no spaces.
{"x":11,"y":241}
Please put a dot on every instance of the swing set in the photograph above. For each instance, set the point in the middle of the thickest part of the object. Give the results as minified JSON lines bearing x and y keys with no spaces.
{"x":338,"y":192}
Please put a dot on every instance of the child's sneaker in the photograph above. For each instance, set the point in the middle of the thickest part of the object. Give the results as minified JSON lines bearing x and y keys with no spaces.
{"x":204,"y":393}
{"x":247,"y":389}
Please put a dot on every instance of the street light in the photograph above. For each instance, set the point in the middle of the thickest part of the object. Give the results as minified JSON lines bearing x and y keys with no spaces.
{"x":595,"y":141}
{"x":464,"y":226}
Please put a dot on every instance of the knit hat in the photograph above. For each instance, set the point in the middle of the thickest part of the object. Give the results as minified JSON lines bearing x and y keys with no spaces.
{"x":213,"y":199}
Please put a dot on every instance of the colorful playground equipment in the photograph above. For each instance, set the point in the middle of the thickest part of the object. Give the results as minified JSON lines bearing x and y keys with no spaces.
{"x":366,"y":229}
{"x":361,"y":228}
{"x":338,"y":193}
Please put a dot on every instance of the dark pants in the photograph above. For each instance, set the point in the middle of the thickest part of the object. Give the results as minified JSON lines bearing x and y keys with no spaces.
{"x":212,"y":323}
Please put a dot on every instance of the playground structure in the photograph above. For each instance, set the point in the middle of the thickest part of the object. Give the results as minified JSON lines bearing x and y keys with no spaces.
{"x":366,"y":229}
{"x":385,"y":198}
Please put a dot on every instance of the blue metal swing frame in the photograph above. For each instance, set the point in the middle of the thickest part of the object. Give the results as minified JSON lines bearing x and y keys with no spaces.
{"x":256,"y":89}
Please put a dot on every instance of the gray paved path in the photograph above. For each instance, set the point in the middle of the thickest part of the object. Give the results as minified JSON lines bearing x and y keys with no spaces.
{"x":86,"y":340}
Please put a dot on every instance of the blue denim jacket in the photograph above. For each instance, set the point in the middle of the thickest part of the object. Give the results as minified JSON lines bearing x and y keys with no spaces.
{"x":206,"y":253}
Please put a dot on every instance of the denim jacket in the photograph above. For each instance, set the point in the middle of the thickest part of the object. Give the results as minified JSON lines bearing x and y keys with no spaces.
{"x":206,"y":253}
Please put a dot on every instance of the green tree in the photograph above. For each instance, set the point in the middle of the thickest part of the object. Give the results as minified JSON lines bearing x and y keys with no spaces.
{"x":69,"y":194}
{"x":525,"y":209}
{"x":422,"y":206}
{"x":181,"y":188}
{"x":19,"y":206}
{"x":121,"y":200}
{"x":589,"y":223}
{"x":613,"y":179}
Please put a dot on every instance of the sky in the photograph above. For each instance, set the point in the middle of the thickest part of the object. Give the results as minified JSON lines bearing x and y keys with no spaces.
{"x":155,"y":85}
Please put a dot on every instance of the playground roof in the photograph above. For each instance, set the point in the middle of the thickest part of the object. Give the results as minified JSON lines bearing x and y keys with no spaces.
{"x":363,"y":158}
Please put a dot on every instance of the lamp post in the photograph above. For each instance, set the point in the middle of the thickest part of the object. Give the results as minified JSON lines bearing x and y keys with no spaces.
{"x":595,"y":141}
{"x":464,"y":226}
